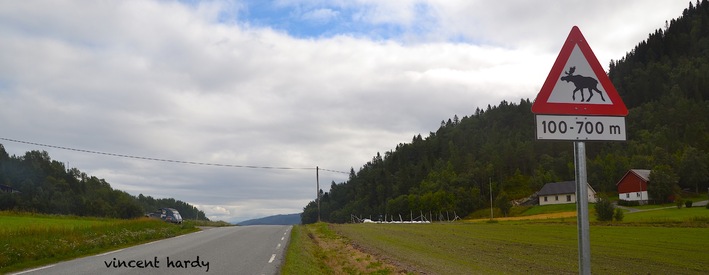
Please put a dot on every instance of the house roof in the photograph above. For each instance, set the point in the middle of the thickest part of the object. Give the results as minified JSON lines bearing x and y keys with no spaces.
{"x":8,"y":189}
{"x":555,"y":188}
{"x":643,"y":174}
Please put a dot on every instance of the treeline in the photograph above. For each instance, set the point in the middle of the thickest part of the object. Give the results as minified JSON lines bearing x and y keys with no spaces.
{"x":453,"y":168}
{"x":673,"y":59}
{"x":47,"y":186}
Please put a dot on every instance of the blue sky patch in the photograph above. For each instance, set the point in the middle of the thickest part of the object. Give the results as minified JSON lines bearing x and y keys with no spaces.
{"x":313,"y":21}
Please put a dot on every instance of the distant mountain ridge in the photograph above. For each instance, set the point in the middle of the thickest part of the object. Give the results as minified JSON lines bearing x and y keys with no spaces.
{"x":283,"y":219}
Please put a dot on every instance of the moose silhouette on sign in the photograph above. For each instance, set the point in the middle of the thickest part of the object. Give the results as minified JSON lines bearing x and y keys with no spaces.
{"x":582,"y":82}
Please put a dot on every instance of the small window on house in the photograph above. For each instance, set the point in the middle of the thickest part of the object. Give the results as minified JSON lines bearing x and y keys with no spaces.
{"x":638,"y":194}
{"x":545,"y":198}
{"x":556,"y":197}
{"x":568,"y":197}
{"x":627,"y":196}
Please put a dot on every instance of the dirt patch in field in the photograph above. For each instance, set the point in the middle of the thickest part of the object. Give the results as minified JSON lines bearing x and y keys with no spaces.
{"x":344,"y":258}
{"x":558,"y":215}
{"x":391,"y":265}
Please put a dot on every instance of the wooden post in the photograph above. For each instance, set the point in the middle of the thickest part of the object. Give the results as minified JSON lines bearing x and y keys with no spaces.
{"x":317,"y":180}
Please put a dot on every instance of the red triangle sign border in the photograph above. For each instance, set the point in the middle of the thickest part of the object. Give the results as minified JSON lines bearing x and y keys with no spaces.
{"x":542,"y":105}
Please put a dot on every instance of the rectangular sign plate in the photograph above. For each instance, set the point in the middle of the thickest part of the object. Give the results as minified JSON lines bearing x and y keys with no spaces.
{"x":580,"y":128}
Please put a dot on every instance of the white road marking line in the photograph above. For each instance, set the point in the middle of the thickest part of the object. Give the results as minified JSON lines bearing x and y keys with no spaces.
{"x":109,"y":252}
{"x":36,"y":269}
{"x":283,"y":238}
{"x":273,"y":257}
{"x":278,"y":246}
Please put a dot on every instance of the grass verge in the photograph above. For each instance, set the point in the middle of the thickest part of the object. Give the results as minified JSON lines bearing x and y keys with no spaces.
{"x":31,"y":240}
{"x":317,"y":249}
{"x":207,"y":223}
{"x":303,"y":254}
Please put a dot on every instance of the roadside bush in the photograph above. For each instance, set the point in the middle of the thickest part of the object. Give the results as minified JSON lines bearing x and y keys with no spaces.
{"x":619,"y":215}
{"x":604,"y":210}
{"x":688,"y":203}
{"x":679,"y":201}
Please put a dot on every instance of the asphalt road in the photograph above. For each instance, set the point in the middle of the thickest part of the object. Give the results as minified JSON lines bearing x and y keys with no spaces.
{"x":257,"y":249}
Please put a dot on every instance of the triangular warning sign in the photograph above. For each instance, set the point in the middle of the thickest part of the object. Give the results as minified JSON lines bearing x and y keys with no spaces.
{"x":577,"y":84}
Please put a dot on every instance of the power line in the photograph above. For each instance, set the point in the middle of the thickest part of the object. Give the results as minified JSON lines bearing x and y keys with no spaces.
{"x":334,"y":171}
{"x":166,"y":160}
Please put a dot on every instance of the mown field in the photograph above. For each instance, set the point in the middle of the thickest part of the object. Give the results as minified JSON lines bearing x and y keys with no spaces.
{"x":664,"y":241}
{"x":30,"y":240}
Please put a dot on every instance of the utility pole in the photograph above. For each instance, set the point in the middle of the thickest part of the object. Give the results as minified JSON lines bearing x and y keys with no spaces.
{"x":317,"y":180}
{"x":490,"y":181}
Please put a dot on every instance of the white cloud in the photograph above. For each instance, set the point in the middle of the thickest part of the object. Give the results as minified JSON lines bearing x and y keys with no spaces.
{"x":320,"y":15}
{"x":167,"y":80}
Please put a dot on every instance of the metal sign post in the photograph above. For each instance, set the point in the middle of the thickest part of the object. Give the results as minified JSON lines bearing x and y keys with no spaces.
{"x":597,"y":114}
{"x":582,"y":208}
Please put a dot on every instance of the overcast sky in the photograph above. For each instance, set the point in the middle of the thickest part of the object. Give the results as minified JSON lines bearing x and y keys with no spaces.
{"x":290,"y":83}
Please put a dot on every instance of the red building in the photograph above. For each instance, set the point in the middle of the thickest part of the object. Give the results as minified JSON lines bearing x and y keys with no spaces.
{"x":633,"y":185}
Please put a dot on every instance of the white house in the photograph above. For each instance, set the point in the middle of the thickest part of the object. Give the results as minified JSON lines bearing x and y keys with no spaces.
{"x":562,"y":192}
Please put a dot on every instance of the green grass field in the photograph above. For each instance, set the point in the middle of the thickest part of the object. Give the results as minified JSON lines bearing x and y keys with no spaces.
{"x":660,"y":241}
{"x":484,"y":248}
{"x":671,"y":215}
{"x":29,"y":240}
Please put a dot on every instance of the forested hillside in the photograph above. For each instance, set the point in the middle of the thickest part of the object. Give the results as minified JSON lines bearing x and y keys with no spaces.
{"x":47,"y":186}
{"x":663,"y":81}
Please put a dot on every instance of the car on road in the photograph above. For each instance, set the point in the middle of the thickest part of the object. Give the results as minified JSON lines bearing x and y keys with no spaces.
{"x":167,"y":214}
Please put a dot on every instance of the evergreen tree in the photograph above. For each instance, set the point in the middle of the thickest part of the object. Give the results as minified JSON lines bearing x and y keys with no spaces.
{"x":604,"y":209}
{"x":663,"y":182}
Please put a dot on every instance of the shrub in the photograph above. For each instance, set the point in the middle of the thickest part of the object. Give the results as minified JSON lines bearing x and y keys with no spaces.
{"x":604,"y":210}
{"x":688,"y":203}
{"x":503,"y":202}
{"x":679,"y":201}
{"x":619,"y":215}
